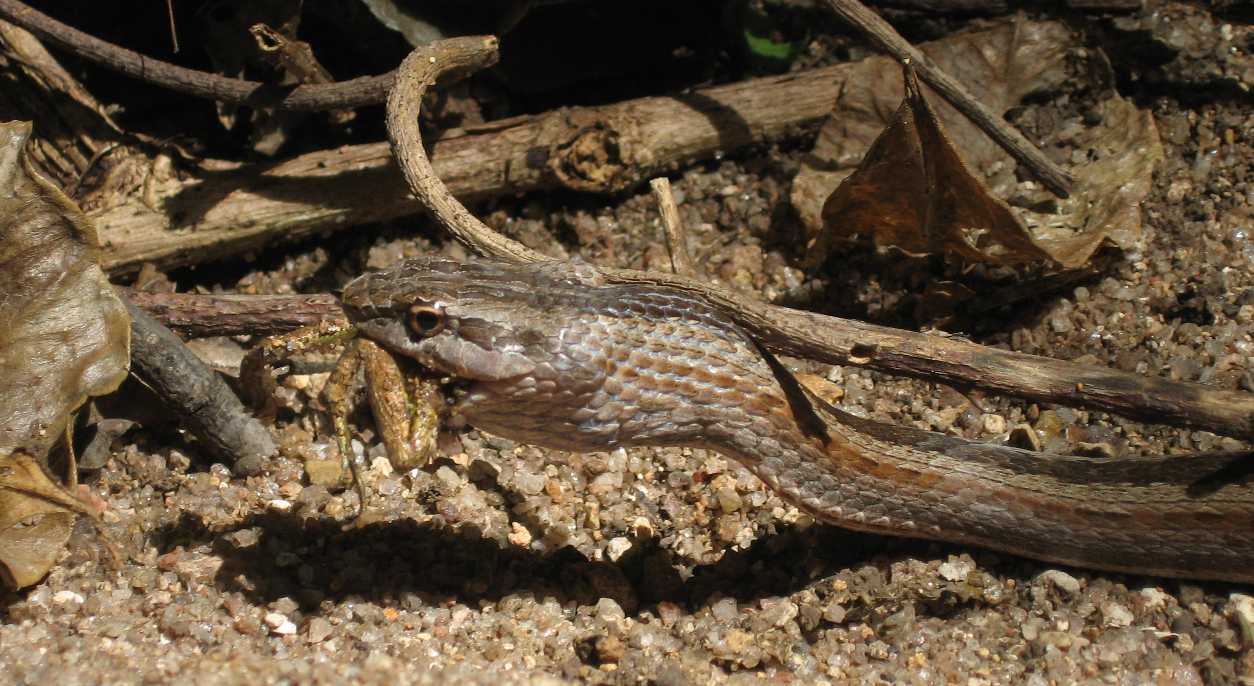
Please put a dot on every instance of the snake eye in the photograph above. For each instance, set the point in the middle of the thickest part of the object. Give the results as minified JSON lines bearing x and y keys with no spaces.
{"x":426,"y":320}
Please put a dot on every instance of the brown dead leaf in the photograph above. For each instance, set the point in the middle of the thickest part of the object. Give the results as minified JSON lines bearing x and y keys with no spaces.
{"x":1000,"y":66}
{"x":1120,"y":155}
{"x":36,"y":517}
{"x":914,"y":192}
{"x":64,"y":336}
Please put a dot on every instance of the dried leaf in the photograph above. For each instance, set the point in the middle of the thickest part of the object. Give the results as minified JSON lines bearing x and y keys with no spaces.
{"x":1105,"y":208}
{"x":999,"y":66}
{"x":36,"y":518}
{"x":64,"y":336}
{"x":915,"y":193}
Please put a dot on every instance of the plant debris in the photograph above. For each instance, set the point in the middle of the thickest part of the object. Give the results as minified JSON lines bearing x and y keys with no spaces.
{"x":64,"y":337}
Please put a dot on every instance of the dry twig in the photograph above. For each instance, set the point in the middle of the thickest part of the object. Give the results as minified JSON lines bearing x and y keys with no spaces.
{"x":367,"y":90}
{"x":207,"y":407}
{"x":676,"y":237}
{"x":198,"y":316}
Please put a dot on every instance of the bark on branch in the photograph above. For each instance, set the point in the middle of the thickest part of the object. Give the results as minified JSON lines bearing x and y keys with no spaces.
{"x":601,"y":149}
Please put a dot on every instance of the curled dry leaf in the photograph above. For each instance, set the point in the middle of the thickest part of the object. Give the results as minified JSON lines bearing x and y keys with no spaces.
{"x":1000,"y":66}
{"x":36,"y":516}
{"x":64,"y":336}
{"x":1120,"y":155}
{"x":913,"y":192}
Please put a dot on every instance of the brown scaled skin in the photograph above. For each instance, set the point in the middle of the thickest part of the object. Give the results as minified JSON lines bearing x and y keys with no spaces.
{"x":555,"y":357}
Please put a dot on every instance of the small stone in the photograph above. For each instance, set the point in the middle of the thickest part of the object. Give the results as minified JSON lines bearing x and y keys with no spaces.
{"x":1060,"y":323}
{"x":482,"y":470}
{"x":1243,"y":612}
{"x":1024,"y":437}
{"x":382,"y":466}
{"x":65,"y":597}
{"x":739,"y":641}
{"x":519,"y":535}
{"x":608,"y":482}
{"x":529,"y":484}
{"x":1155,"y":598}
{"x":729,"y":500}
{"x":448,"y":478}
{"x":325,"y":473}
{"x":608,"y":610}
{"x":1116,"y":615}
{"x":1061,"y":580}
{"x":725,"y":610}
{"x":994,"y":423}
{"x":610,"y":649}
{"x":319,"y":629}
{"x":617,"y":547}
{"x":279,"y":624}
{"x":955,"y":569}
{"x":280,"y":505}
{"x":778,"y":611}
{"x":834,"y":613}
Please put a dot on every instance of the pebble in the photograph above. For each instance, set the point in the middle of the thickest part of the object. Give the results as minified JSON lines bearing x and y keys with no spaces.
{"x":279,"y":624}
{"x":1116,"y":615}
{"x":1060,"y":580}
{"x":1243,"y":611}
{"x":617,"y":547}
{"x":724,"y":610}
{"x":955,"y":569}
{"x":325,"y":473}
{"x":448,"y":478}
{"x":319,"y":629}
{"x":608,"y":610}
{"x":994,"y":424}
{"x":519,"y":535}
{"x":529,"y":484}
{"x":65,"y":597}
{"x":778,"y":611}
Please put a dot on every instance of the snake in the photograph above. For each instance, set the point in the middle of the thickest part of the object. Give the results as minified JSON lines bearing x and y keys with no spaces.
{"x":553,"y":355}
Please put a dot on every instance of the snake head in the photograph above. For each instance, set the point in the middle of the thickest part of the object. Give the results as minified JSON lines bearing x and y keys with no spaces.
{"x":466,"y":320}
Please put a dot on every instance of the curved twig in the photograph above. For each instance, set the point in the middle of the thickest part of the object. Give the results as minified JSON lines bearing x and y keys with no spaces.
{"x":820,"y":337}
{"x":367,"y":90}
{"x":419,"y":70}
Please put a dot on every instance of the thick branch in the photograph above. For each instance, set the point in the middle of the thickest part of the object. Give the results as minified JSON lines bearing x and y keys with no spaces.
{"x":602,"y":149}
{"x":207,"y":407}
{"x":199,"y":316}
{"x":841,"y":341}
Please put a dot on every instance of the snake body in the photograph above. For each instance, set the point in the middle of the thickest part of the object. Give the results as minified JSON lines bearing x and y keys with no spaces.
{"x":551,"y":355}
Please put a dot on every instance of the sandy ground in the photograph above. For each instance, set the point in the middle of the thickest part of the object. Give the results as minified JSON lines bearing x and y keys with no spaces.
{"x":504,"y":563}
